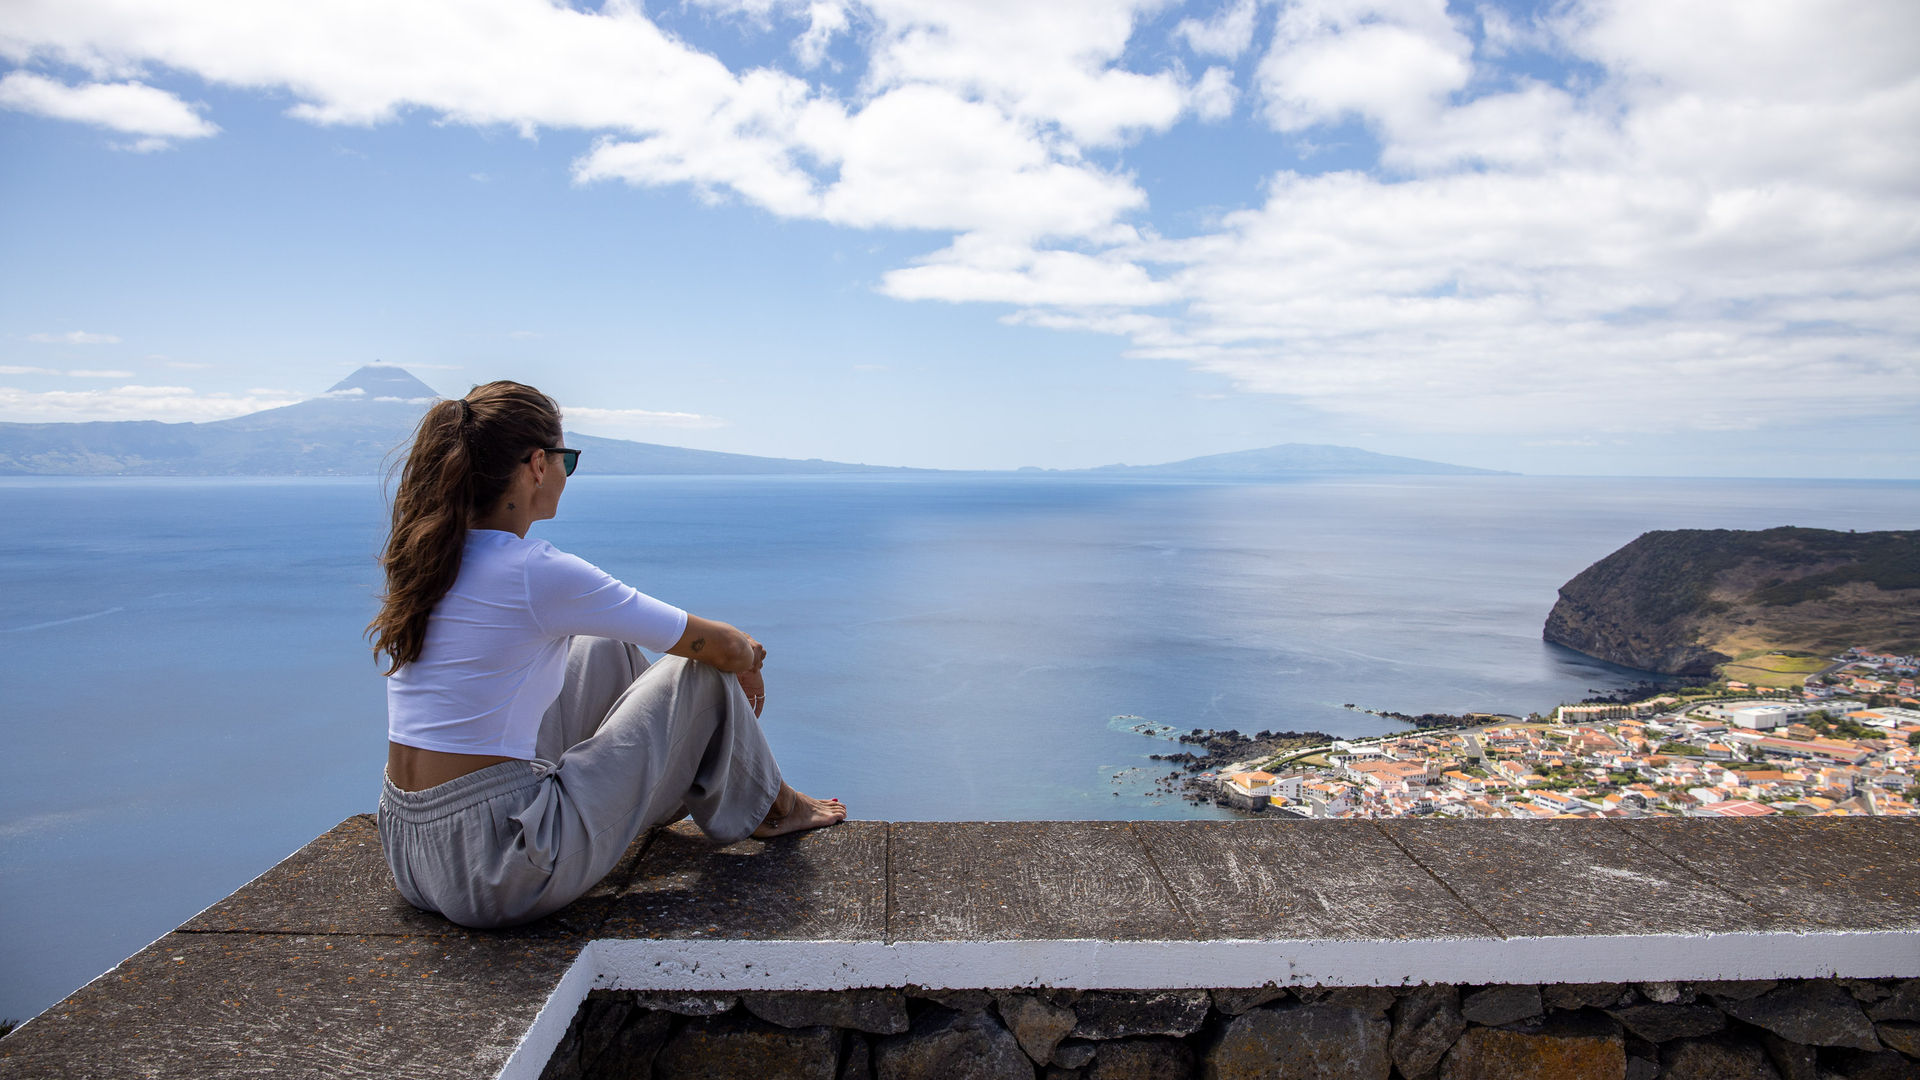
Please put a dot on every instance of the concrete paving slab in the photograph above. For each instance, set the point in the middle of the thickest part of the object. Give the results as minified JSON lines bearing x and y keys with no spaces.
{"x":1007,"y":880}
{"x":1841,"y":873}
{"x":297,"y":1006}
{"x":339,"y":884}
{"x":1553,"y":878}
{"x":828,"y":884}
{"x":1302,"y":880}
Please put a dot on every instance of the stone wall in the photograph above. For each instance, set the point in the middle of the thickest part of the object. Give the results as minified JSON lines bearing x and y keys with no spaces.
{"x":1816,"y":1029}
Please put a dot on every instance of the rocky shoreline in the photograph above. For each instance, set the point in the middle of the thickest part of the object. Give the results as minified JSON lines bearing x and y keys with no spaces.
{"x":1215,"y":748}
{"x":1426,"y":720}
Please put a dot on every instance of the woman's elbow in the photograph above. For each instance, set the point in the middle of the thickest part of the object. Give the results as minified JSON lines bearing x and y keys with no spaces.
{"x":717,"y":645}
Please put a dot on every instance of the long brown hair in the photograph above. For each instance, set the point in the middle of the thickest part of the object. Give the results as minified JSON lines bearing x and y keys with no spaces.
{"x":464,"y":454}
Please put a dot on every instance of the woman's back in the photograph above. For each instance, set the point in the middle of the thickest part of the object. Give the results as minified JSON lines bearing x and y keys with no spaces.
{"x":494,"y":653}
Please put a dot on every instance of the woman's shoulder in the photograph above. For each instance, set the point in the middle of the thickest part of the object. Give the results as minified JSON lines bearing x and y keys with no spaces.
{"x":543,"y":559}
{"x":491,"y":553}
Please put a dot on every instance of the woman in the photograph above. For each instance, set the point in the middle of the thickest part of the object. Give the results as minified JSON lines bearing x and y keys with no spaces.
{"x":529,"y":741}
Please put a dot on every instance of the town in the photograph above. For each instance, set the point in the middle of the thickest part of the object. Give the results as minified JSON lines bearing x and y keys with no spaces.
{"x":1845,"y":743}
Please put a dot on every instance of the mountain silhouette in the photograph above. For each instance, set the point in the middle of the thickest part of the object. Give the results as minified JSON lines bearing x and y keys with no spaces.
{"x":362,"y":423}
{"x":1296,"y":459}
{"x":356,"y":428}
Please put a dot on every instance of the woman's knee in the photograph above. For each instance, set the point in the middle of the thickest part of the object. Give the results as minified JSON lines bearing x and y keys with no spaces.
{"x":703,"y":680}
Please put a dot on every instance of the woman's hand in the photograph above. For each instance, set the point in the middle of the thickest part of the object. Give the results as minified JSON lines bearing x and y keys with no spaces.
{"x":756,"y":687}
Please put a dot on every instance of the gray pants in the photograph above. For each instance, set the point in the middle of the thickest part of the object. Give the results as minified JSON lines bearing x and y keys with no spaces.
{"x":625,"y":746}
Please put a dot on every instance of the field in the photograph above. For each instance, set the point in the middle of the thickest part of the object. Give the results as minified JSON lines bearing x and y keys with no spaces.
{"x":1784,"y":670}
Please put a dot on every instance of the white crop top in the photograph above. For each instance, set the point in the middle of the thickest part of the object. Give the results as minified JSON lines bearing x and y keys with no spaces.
{"x":496,"y":645}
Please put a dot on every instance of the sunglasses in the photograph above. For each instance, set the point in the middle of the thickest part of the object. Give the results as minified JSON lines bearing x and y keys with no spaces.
{"x":569,"y":459}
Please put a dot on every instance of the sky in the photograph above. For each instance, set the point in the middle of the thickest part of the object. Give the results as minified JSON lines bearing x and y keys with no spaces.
{"x":1620,"y":237}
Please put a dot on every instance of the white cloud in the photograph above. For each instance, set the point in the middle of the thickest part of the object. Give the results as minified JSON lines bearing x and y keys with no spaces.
{"x":167,"y":403}
{"x":1388,"y":61}
{"x":1213,"y":96}
{"x":617,"y":423}
{"x":148,"y":145}
{"x":1826,"y":50}
{"x":1532,"y":299}
{"x":611,"y":70}
{"x":970,"y":118}
{"x":1707,"y":220}
{"x":978,"y":269}
{"x":1532,"y":126}
{"x":1142,"y":328}
{"x":760,"y":11}
{"x":1227,"y":34}
{"x":1501,"y":34}
{"x":78,"y":373}
{"x":924,"y":157}
{"x":825,"y":19}
{"x":130,"y":107}
{"x":1666,"y":248}
{"x":1051,"y":64}
{"x":74,"y":337}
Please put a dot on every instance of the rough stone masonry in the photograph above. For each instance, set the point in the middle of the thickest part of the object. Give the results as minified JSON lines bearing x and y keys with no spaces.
{"x":1833,"y":1029}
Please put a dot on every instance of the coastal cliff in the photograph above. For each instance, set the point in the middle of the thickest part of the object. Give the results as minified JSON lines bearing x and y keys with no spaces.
{"x":1685,"y":601}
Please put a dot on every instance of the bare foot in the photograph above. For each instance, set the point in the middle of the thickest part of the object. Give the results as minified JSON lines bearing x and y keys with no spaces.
{"x":793,"y":812}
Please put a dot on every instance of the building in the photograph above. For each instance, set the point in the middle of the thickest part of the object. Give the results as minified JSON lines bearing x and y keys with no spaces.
{"x":1389,"y":776}
{"x":1844,"y":753}
{"x":1733,"y":808}
{"x":1776,"y":714}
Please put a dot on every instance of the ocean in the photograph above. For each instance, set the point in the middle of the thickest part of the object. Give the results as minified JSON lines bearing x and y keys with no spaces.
{"x":188,"y":697}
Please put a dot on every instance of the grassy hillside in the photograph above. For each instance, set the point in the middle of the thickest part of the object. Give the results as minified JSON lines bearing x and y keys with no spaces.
{"x":1688,"y":601}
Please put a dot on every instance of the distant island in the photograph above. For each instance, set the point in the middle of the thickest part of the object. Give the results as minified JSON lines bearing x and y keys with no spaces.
{"x":1294,"y":459}
{"x":356,"y":426}
{"x":353,"y":429}
{"x":1744,"y":603}
{"x":358,"y":423}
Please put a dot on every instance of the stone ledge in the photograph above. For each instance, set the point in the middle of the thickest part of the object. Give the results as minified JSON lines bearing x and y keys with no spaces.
{"x":317,"y":968}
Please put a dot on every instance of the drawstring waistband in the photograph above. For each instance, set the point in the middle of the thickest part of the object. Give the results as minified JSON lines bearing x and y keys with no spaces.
{"x":457,"y":794}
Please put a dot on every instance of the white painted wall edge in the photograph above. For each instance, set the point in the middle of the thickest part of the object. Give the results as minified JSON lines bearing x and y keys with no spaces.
{"x":695,"y":965}
{"x":1162,"y":965}
{"x":536,"y":1046}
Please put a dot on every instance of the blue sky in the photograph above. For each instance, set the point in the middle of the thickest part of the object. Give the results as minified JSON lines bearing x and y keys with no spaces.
{"x":1604,"y":236}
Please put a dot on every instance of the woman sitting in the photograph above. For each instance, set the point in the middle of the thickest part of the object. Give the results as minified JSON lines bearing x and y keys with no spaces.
{"x":529,"y":741}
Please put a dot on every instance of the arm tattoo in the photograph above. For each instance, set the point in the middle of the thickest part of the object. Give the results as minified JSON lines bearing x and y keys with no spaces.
{"x":698,"y":644}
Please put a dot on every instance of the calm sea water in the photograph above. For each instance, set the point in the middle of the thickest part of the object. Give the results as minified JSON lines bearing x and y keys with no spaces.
{"x":187,"y":698}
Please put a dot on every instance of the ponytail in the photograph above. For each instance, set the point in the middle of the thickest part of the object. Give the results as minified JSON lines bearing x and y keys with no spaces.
{"x":463,"y":456}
